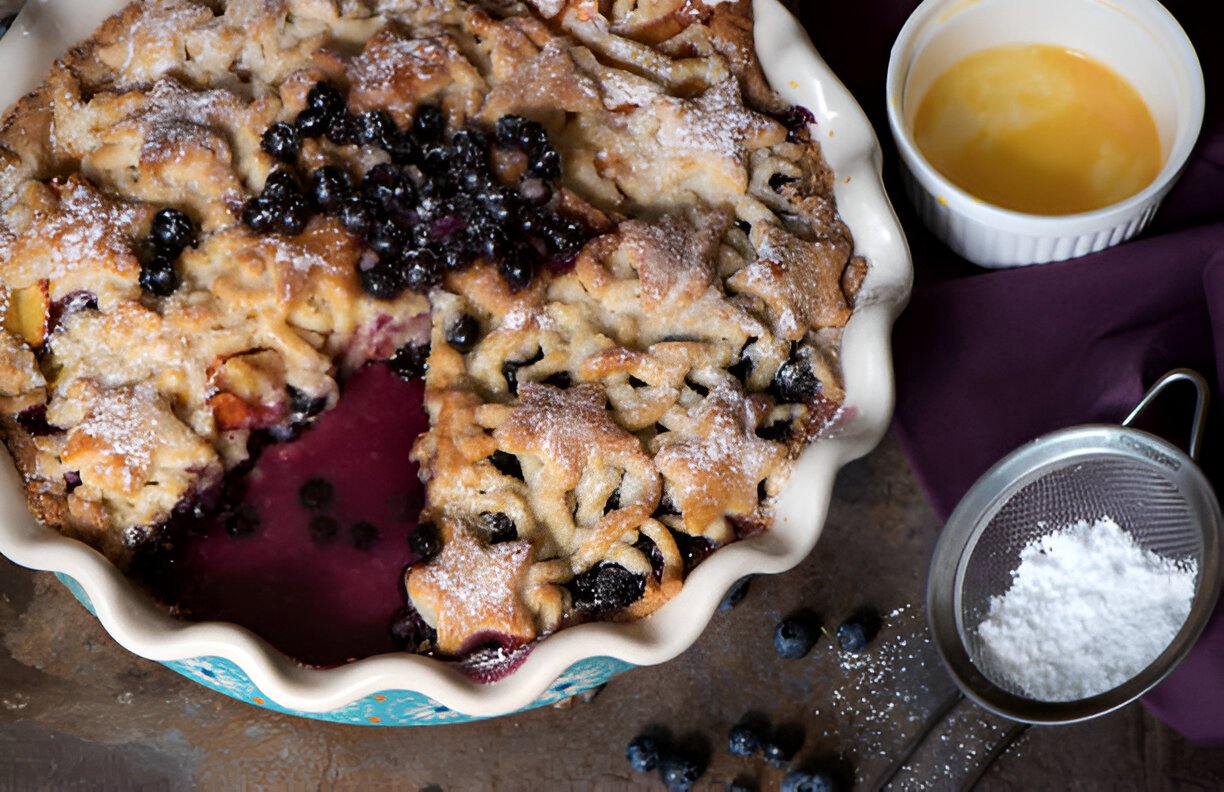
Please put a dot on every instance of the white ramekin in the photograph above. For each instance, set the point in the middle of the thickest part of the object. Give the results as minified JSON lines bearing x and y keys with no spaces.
{"x":1138,"y":39}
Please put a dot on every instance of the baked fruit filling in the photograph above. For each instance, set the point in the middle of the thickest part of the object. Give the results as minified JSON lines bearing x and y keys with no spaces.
{"x":451,"y":323}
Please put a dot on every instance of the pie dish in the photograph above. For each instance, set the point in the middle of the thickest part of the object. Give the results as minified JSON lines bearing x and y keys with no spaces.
{"x":525,"y":426}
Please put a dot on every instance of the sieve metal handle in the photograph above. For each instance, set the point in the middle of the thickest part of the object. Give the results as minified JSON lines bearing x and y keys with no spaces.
{"x":1200,"y":403}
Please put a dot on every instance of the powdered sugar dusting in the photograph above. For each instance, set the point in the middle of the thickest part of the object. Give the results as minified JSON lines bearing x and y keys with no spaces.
{"x":1088,"y":608}
{"x":176,"y":118}
{"x":716,"y":122}
{"x":85,"y":228}
{"x":622,"y":89}
{"x":472,"y":589}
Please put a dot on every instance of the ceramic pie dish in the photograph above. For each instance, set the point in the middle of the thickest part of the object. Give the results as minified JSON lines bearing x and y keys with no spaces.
{"x":401,"y":688}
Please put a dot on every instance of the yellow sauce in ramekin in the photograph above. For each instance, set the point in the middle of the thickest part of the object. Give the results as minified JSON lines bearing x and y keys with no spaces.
{"x":1040,"y":129}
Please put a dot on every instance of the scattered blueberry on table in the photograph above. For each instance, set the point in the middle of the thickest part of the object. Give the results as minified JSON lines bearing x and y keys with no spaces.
{"x":743,"y":739}
{"x":809,"y":781}
{"x":735,"y":595}
{"x":856,"y":632}
{"x":643,"y":753}
{"x":778,"y":751}
{"x":797,"y":634}
{"x":678,"y":772}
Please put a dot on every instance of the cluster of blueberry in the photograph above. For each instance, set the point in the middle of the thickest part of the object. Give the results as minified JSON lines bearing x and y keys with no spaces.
{"x":438,"y":205}
{"x":171,"y":233}
{"x":798,"y":633}
{"x":752,"y":735}
{"x":679,"y":769}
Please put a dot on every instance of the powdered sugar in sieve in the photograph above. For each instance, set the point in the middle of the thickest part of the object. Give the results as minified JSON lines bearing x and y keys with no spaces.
{"x":1078,"y":571}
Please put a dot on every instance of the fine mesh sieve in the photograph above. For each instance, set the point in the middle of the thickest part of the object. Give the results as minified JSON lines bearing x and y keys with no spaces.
{"x":1150,"y":488}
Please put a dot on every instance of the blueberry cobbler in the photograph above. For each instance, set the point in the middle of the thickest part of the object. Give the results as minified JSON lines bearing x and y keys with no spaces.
{"x":423,"y":325}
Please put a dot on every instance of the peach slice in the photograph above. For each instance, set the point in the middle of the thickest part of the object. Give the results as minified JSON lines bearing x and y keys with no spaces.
{"x":28,"y":313}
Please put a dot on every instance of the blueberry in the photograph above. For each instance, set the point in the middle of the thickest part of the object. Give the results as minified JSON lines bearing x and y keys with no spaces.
{"x":259,"y":214}
{"x":281,"y":141}
{"x":693,"y":549}
{"x":172,"y":231}
{"x":506,"y":464}
{"x":646,"y":546}
{"x":735,"y":595}
{"x":292,"y":214}
{"x":777,"y":752}
{"x":323,"y":529}
{"x":463,"y":333}
{"x":607,"y":587}
{"x":797,"y":634}
{"x":325,"y":97}
{"x":354,"y":215}
{"x":378,"y":185}
{"x":382,"y":281}
{"x":312,"y":123}
{"x":455,"y":258}
{"x":403,"y":149}
{"x":546,"y":164}
{"x":796,"y":120}
{"x":243,"y":521}
{"x":779,"y":180}
{"x":342,"y":130}
{"x":376,"y":128}
{"x":303,"y":403}
{"x":517,"y":132}
{"x":422,"y":271}
{"x":316,"y":494}
{"x":498,"y":527}
{"x":409,"y":630}
{"x":33,"y":419}
{"x":678,"y":773}
{"x":741,"y":784}
{"x":279,"y":184}
{"x":509,"y":129}
{"x":425,"y":542}
{"x":471,"y":150}
{"x":809,"y":781}
{"x":410,"y":361}
{"x":794,"y":382}
{"x":159,"y":277}
{"x":363,"y":535}
{"x":386,"y":237}
{"x":562,"y":236}
{"x":428,"y":122}
{"x":643,"y":753}
{"x":517,"y":268}
{"x":743,"y":740}
{"x":330,"y":187}
{"x":856,"y":632}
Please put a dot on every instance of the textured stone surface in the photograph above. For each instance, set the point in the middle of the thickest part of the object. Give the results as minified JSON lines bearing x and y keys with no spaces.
{"x":79,"y":712}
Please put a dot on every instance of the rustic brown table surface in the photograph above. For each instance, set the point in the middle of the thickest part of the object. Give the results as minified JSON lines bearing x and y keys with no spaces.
{"x":79,"y":712}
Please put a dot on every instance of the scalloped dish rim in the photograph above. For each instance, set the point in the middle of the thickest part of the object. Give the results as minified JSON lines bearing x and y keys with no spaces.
{"x":852,"y":149}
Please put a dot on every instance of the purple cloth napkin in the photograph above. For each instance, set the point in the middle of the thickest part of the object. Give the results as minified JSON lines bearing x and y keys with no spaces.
{"x":987,"y":360}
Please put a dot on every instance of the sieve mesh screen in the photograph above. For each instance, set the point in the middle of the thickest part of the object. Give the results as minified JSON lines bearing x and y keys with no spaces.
{"x":1137,"y":494}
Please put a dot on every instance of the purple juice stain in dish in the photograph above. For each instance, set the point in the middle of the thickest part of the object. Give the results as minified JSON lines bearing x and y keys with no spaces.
{"x":321,"y":602}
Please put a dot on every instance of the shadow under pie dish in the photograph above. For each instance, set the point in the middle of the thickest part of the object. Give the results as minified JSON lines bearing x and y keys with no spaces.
{"x":631,"y":286}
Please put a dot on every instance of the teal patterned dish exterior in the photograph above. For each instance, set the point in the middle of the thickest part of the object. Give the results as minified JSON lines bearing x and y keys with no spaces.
{"x":388,"y":708}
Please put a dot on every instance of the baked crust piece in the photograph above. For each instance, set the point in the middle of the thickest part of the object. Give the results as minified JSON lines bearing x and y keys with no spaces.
{"x":650,"y":393}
